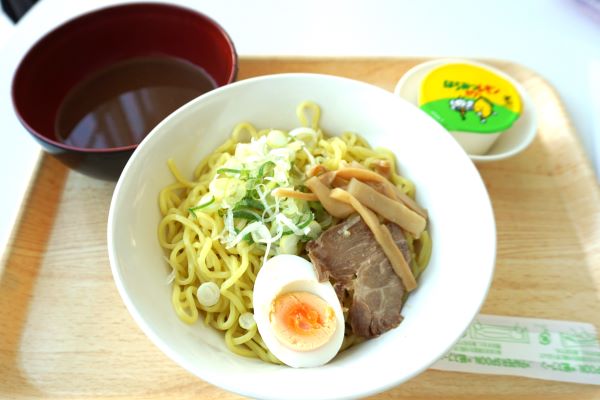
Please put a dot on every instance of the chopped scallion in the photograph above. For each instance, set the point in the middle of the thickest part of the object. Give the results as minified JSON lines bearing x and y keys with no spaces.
{"x":201,"y":206}
{"x":246,"y":213}
{"x":251,"y":203}
{"x":229,"y":171}
{"x":263,"y":169}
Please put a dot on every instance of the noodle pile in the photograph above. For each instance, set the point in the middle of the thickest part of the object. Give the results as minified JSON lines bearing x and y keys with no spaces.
{"x":193,"y":240}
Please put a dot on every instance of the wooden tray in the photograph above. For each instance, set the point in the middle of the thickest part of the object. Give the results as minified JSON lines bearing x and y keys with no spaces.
{"x":65,"y":333}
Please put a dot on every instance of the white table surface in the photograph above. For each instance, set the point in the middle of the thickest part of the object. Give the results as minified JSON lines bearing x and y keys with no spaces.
{"x":560,"y":39}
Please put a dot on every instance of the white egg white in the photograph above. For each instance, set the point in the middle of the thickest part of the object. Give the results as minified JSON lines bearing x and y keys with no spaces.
{"x":288,"y":273}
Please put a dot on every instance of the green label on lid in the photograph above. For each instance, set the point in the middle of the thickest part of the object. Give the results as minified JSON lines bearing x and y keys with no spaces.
{"x":470,"y":115}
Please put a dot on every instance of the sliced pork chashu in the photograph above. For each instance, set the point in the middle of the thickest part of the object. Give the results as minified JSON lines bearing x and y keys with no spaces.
{"x":348,"y":255}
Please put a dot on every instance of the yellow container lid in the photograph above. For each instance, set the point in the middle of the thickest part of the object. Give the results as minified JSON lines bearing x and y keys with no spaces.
{"x":469,"y":98}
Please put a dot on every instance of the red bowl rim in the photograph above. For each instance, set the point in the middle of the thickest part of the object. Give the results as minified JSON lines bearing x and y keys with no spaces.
{"x":65,"y":24}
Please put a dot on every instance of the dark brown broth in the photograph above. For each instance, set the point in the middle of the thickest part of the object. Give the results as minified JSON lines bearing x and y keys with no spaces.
{"x":121,"y":104}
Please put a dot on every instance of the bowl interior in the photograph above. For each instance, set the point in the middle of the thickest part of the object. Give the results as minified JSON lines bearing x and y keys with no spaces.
{"x":451,"y":290}
{"x":101,"y":38}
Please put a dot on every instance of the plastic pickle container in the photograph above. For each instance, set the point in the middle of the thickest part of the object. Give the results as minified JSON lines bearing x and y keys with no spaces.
{"x":475,"y":104}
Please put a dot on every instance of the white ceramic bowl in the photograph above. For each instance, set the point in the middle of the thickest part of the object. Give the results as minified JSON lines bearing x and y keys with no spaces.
{"x":451,"y":290}
{"x":510,"y":142}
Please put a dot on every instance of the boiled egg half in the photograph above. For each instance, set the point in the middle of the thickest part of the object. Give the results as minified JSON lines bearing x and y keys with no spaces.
{"x":299,"y":318}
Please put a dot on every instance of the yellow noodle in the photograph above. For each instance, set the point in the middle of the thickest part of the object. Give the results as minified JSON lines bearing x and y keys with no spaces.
{"x":305,"y":108}
{"x":424,"y":252}
{"x":241,"y":132}
{"x":241,"y":350}
{"x":196,"y":255}
{"x":250,"y":333}
{"x":184,"y":303}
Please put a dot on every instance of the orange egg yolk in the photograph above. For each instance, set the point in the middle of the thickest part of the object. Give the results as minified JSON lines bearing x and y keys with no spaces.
{"x":302,"y":321}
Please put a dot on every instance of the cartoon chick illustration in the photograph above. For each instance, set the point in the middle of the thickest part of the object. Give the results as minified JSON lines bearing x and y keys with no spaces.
{"x":481,"y":106}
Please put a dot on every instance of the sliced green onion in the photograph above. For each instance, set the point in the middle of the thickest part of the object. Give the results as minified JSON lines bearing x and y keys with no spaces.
{"x":288,"y":244}
{"x":259,"y":233}
{"x":229,"y":171}
{"x":251,"y":203}
{"x":246,"y":321}
{"x":305,"y":238}
{"x":201,"y":206}
{"x":243,"y":173}
{"x":316,"y":205}
{"x":277,"y":139}
{"x":246,"y":213}
{"x":250,"y":184}
{"x":313,"y":230}
{"x":308,"y":220}
{"x":262,"y":170}
{"x":208,"y":294}
{"x":247,"y":238}
{"x":295,"y":228}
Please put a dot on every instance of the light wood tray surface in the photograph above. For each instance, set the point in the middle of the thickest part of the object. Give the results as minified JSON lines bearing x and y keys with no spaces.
{"x":65,"y":333}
